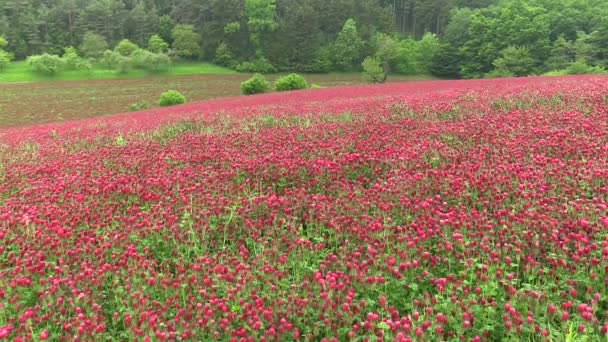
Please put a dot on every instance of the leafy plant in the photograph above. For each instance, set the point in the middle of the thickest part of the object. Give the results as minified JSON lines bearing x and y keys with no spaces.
{"x":141,"y":105}
{"x":255,"y":85}
{"x":373,"y":71}
{"x":46,"y":64}
{"x":171,"y":98}
{"x":290,"y":82}
{"x":126,"y":47}
{"x":73,"y":61}
{"x":153,"y":62}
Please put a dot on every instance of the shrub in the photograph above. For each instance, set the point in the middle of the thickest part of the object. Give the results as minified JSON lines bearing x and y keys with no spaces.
{"x":5,"y":59}
{"x":114,"y":60}
{"x":255,"y":85}
{"x":170,"y":98}
{"x":224,"y":57}
{"x":45,"y":64}
{"x":577,"y":68}
{"x":514,"y":60}
{"x":290,"y":82}
{"x":580,"y":67}
{"x":126,"y":47}
{"x":73,"y":61}
{"x":157,"y":44}
{"x":93,"y":45}
{"x":260,"y":65}
{"x":141,"y":105}
{"x":373,"y":72}
{"x":322,"y":61}
{"x":153,"y":62}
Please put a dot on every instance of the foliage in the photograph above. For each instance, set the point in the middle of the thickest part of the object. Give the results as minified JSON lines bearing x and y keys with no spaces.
{"x":446,"y":62}
{"x":141,"y":105}
{"x":258,"y":65}
{"x":255,"y":85}
{"x":116,"y":61}
{"x":472,"y":33}
{"x":322,"y":61}
{"x":514,"y":61}
{"x":347,"y":48}
{"x":427,"y":48}
{"x":408,"y":57}
{"x":171,"y":98}
{"x":153,"y":62}
{"x":73,"y":61}
{"x":563,"y":52}
{"x":290,"y":82}
{"x":580,"y":67}
{"x":224,"y":57}
{"x":93,"y":45}
{"x":5,"y":57}
{"x":46,"y":64}
{"x":126,"y":47}
{"x":185,"y":41}
{"x":4,"y":60}
{"x":157,"y":44}
{"x":516,"y":23}
{"x":373,"y":71}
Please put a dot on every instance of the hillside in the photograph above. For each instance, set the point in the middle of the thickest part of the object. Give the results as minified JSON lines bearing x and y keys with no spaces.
{"x":431,"y":210}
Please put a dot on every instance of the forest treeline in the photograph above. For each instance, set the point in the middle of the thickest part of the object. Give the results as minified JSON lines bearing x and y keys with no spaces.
{"x":446,"y":38}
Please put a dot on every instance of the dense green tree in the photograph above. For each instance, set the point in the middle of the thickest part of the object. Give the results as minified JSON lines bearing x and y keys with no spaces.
{"x":347,"y":48}
{"x":46,"y":64}
{"x":563,"y":52}
{"x":157,"y":44}
{"x":93,"y":45}
{"x":126,"y":47}
{"x":165,"y":27}
{"x":373,"y":71}
{"x":307,"y":35}
{"x":185,"y":41}
{"x":5,"y":57}
{"x":514,"y":61}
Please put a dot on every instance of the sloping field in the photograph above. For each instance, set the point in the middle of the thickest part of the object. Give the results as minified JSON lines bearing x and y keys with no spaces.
{"x":56,"y":101}
{"x":427,"y":211}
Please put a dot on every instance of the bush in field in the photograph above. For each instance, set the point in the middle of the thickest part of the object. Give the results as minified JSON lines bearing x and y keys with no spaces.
{"x":73,"y":61}
{"x":255,"y":85}
{"x":170,"y":98}
{"x":373,"y":72}
{"x":141,"y":105}
{"x":153,"y":62}
{"x":46,"y":64}
{"x":115,"y":61}
{"x":290,"y":82}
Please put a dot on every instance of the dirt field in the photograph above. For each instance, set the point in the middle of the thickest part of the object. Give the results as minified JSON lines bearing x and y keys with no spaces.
{"x":43,"y":102}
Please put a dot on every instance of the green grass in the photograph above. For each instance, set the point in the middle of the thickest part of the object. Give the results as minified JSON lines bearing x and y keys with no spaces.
{"x":21,"y":72}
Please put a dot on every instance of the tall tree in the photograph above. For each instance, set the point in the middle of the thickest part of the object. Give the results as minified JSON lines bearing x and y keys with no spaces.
{"x":186,"y":42}
{"x":347,"y":48}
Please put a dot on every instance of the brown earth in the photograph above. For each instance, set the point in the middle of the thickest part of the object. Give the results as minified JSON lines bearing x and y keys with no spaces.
{"x":54,"y":101}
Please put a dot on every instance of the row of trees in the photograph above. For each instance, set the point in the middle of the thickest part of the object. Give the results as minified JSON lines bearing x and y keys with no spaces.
{"x":450,"y":38}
